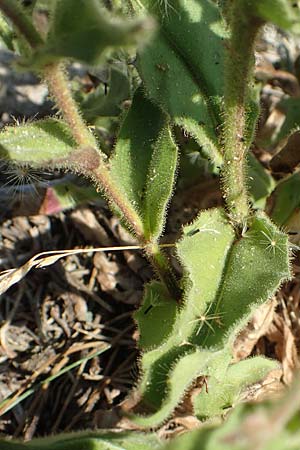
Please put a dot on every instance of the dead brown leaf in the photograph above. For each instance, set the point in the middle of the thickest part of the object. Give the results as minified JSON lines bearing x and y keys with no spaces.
{"x":107,"y":271}
{"x":85,"y":220}
{"x":285,"y":348}
{"x":256,"y":328}
{"x":270,"y":387}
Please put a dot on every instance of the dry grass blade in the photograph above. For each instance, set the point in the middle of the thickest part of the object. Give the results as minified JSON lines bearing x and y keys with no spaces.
{"x":12,"y":276}
{"x":21,"y":395}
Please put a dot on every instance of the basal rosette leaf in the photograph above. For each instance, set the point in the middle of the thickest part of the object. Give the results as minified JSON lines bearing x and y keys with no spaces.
{"x":179,"y":378}
{"x":256,"y":266}
{"x":144,"y":163}
{"x":226,"y":278}
{"x":206,"y":242}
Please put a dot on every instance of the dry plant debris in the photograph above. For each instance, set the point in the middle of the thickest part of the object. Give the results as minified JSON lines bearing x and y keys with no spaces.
{"x":65,"y":313}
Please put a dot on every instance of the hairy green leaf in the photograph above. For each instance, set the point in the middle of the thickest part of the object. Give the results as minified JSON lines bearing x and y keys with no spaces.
{"x":98,"y":440}
{"x":158,"y":312}
{"x":212,"y":238}
{"x":182,"y":68}
{"x":36,"y":143}
{"x":6,"y":34}
{"x":286,"y":199}
{"x":238,"y":433}
{"x":225,"y":279}
{"x":283,"y":13}
{"x":67,"y":195}
{"x":256,"y":266}
{"x":100,"y":104}
{"x":82,"y":30}
{"x":224,"y":392}
{"x":291,"y":108}
{"x":261,"y":183}
{"x":144,"y":163}
{"x":180,"y":377}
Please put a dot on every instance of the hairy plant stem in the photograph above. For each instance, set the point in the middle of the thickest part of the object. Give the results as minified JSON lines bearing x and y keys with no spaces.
{"x":238,"y":79}
{"x":59,"y":89}
{"x":115,"y":196}
{"x":161,"y":264}
{"x":57,"y":83}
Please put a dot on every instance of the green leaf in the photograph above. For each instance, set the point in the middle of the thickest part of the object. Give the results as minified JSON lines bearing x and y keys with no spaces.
{"x":181,"y":376}
{"x":67,"y":195}
{"x":257,"y":265}
{"x":261,"y":183}
{"x":182,"y":68}
{"x":248,"y":427}
{"x":224,"y":393}
{"x":89,"y":440}
{"x":286,"y":199}
{"x":238,"y":433}
{"x":82,"y":29}
{"x":36,"y":143}
{"x":158,"y":312}
{"x":225,"y":279}
{"x":291,"y":108}
{"x":283,"y":13}
{"x":6,"y":34}
{"x":144,"y":163}
{"x":100,"y":104}
{"x":207,"y":242}
{"x":287,"y":158}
